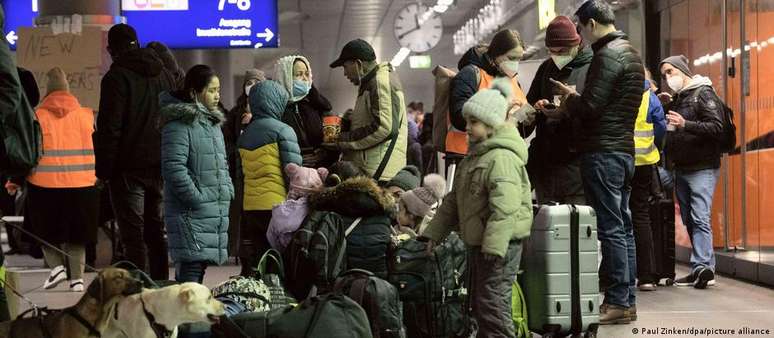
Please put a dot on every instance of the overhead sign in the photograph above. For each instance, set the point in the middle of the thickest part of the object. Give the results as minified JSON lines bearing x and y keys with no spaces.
{"x":546,"y":12}
{"x":193,"y":24}
{"x":420,"y":61}
{"x":18,"y":13}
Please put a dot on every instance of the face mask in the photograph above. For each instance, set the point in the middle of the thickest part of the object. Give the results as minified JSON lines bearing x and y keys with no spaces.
{"x":562,"y":60}
{"x":675,"y":83}
{"x":510,"y":68}
{"x":301,"y":88}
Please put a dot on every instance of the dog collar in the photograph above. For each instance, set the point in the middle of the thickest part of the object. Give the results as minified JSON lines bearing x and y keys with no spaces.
{"x":161,"y":331}
{"x":92,"y":330}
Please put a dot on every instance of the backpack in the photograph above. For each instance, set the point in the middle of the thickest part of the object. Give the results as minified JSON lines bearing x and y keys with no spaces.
{"x":519,"y":311}
{"x":727,"y":138}
{"x":432,"y":287}
{"x":443,"y":78}
{"x":22,"y":140}
{"x":261,"y":292}
{"x":378,"y":298}
{"x":330,"y":316}
{"x":316,"y":255}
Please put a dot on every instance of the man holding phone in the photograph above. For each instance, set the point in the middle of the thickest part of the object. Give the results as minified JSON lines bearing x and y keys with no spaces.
{"x":553,"y":166}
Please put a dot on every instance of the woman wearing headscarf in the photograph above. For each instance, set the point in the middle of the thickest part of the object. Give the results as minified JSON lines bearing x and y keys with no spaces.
{"x":305,"y":109}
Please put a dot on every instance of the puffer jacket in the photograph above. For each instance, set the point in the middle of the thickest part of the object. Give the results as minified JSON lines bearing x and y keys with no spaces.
{"x":611,"y":97}
{"x":696,"y":146}
{"x":491,"y":201}
{"x":197,"y":187}
{"x":369,"y":242}
{"x":266,"y":147}
{"x":127,"y":139}
{"x":380,"y":99}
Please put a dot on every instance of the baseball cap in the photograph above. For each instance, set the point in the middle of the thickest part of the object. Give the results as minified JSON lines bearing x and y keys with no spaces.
{"x":357,"y":49}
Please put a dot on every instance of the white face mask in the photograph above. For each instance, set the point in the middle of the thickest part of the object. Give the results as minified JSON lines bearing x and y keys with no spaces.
{"x":510,"y":68}
{"x":247,"y":89}
{"x":675,"y":83}
{"x":562,"y":60}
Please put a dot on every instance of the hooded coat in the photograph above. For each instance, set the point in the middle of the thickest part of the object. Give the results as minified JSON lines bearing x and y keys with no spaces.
{"x":197,"y":187}
{"x":369,"y":242}
{"x":305,"y":114}
{"x":696,"y":146}
{"x":491,"y":201}
{"x":266,"y":147}
{"x":128,"y":139}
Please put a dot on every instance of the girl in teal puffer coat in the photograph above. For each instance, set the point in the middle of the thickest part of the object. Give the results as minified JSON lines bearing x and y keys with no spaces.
{"x":197,"y":185}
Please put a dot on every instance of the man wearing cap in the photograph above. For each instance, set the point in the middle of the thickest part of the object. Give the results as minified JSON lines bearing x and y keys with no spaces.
{"x":127,"y":145}
{"x":554,"y":162}
{"x":377,"y":138}
{"x":696,"y":116}
{"x":607,"y":110}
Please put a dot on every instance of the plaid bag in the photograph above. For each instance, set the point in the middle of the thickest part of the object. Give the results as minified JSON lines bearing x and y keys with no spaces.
{"x":271,"y":272}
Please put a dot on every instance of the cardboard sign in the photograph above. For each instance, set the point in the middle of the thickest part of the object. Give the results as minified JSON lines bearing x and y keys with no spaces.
{"x":81,"y":56}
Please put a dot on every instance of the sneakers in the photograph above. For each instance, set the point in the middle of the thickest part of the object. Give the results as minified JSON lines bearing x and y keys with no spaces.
{"x":76,"y":285}
{"x":699,"y":279}
{"x":613,"y":314}
{"x":647,"y":287}
{"x":57,"y":275}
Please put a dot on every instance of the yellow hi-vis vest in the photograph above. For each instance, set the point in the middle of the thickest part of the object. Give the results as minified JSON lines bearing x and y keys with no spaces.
{"x":645,"y":151}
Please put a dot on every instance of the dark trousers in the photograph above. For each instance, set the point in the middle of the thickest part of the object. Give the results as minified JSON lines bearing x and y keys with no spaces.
{"x":137,"y":204}
{"x":253,"y":239}
{"x":190,"y":272}
{"x":490,"y":291}
{"x":643,"y":236}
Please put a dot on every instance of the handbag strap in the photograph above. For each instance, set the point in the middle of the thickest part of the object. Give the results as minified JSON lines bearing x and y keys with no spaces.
{"x":394,"y":139}
{"x":271,"y":255}
{"x":352,"y":226}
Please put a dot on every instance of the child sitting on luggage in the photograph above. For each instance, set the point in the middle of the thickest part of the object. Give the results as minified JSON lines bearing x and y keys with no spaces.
{"x":490,"y":205}
{"x":417,"y":207}
{"x":287,"y":217}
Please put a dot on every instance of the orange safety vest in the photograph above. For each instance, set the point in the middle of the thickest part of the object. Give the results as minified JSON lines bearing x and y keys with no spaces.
{"x":457,"y":141}
{"x":68,"y":151}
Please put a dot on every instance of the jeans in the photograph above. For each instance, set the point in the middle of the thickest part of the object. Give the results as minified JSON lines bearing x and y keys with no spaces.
{"x":694,"y":192}
{"x":642,"y":189}
{"x":607,"y":182}
{"x":490,"y":292}
{"x":137,"y":206}
{"x":190,"y":272}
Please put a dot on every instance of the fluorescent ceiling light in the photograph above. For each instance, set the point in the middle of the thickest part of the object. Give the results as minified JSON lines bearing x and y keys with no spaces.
{"x":400,"y":57}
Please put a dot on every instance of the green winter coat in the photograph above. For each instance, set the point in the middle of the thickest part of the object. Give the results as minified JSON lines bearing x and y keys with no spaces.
{"x":197,"y":186}
{"x":379,"y":100}
{"x":491,"y":202}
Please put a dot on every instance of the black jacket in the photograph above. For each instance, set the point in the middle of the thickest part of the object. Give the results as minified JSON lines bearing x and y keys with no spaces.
{"x":305,"y":117}
{"x":465,"y":84}
{"x":611,"y":98}
{"x":127,"y":139}
{"x":695,"y":147}
{"x":232,"y":128}
{"x":554,"y":142}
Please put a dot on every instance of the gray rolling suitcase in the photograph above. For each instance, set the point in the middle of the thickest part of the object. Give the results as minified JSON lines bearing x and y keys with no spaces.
{"x":560,"y":281}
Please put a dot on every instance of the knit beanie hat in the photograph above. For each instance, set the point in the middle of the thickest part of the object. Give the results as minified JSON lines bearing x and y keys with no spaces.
{"x":420,"y":201}
{"x":680,"y":62}
{"x":561,"y":32}
{"x":255,"y":74}
{"x":406,"y":179}
{"x":122,"y":37}
{"x":304,"y":181}
{"x":490,"y":106}
{"x":57,"y":80}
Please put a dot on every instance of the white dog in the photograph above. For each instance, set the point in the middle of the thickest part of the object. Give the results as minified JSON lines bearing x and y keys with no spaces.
{"x":158,"y":312}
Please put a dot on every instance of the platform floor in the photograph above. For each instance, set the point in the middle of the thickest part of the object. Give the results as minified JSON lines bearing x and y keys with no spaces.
{"x":731,"y":304}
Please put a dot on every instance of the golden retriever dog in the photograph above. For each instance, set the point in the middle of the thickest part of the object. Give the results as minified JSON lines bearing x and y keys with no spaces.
{"x":158,"y":312}
{"x":87,"y":318}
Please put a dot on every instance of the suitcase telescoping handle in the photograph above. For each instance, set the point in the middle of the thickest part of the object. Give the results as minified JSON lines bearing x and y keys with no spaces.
{"x":576,"y":323}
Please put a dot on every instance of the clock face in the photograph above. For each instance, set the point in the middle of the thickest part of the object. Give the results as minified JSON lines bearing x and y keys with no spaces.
{"x":417,"y":30}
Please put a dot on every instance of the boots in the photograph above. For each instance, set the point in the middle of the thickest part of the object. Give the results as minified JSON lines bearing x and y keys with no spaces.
{"x":613,"y":314}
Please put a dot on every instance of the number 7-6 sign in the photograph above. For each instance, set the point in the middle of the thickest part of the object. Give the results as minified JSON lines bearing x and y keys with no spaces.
{"x":243,"y":5}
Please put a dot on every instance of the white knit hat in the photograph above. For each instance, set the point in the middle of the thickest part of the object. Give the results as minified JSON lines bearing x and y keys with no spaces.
{"x":490,"y":106}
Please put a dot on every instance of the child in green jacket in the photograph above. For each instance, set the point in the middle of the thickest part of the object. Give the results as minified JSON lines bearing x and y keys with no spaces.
{"x":490,"y":205}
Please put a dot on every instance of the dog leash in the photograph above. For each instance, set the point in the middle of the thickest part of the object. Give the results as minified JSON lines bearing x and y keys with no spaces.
{"x":161,"y":331}
{"x":44,"y":242}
